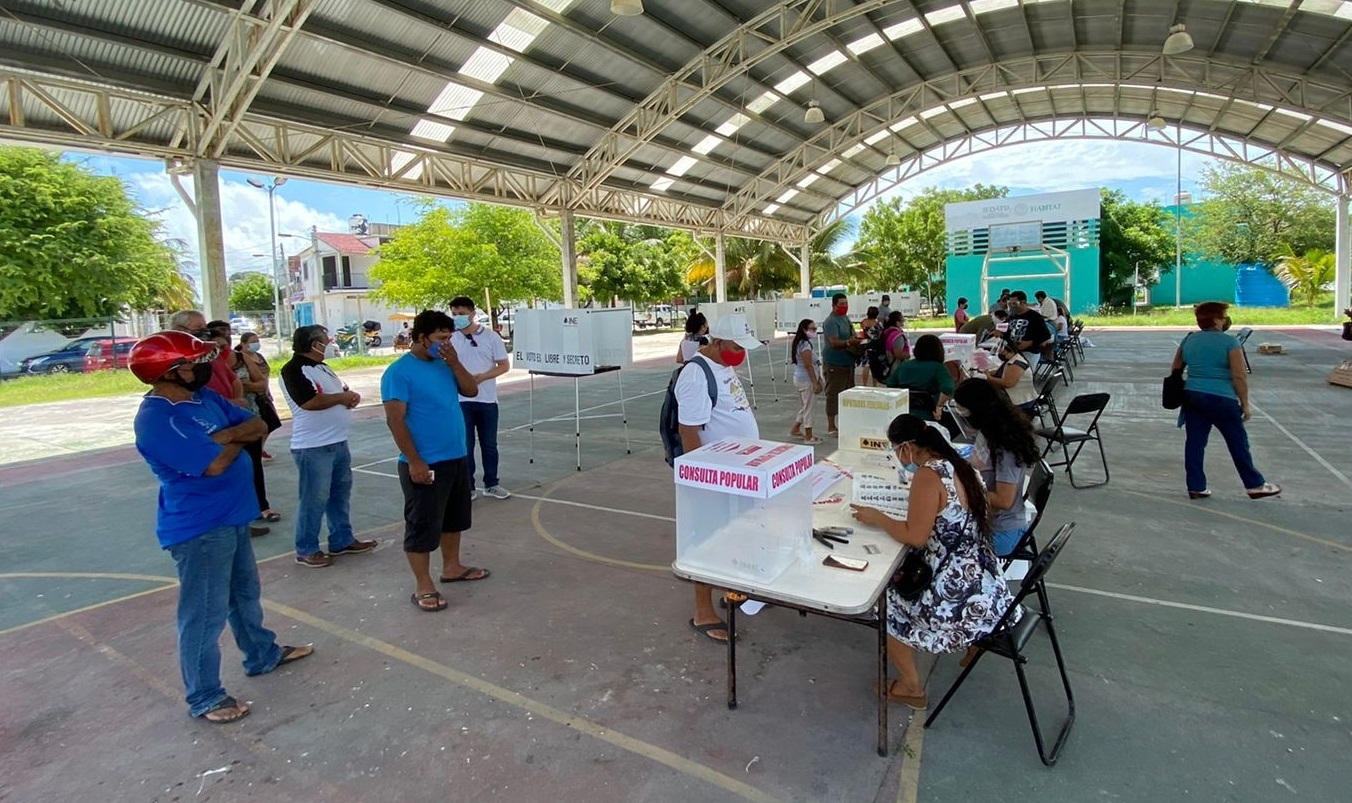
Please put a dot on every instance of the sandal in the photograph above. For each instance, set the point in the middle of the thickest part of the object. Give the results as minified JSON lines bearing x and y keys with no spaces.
{"x":915,"y":702}
{"x":420,"y":601}
{"x":226,"y":711}
{"x":464,"y":577}
{"x":290,"y":654}
{"x":269,"y":515}
{"x":708,"y":631}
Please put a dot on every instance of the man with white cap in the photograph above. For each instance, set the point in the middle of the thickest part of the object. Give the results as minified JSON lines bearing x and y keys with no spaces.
{"x":703,"y":421}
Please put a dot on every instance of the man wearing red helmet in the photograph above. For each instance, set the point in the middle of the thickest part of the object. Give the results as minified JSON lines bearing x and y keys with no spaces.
{"x":192,"y":438}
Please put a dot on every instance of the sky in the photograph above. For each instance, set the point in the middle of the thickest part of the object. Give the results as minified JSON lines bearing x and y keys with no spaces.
{"x":1144,"y":172}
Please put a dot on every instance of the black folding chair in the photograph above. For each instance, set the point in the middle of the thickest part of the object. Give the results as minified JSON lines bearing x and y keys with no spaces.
{"x":1243,"y":337}
{"x":1044,"y":403}
{"x":1010,"y":641}
{"x":1076,"y":327}
{"x":1088,"y":404}
{"x":1039,"y":491}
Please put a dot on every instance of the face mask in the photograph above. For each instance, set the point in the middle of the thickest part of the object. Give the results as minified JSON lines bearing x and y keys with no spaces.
{"x":254,"y":347}
{"x":461,"y":321}
{"x":811,"y":333}
{"x":909,"y":468}
{"x":732,"y":359}
{"x":201,"y":375}
{"x":435,"y":349}
{"x":841,"y":309}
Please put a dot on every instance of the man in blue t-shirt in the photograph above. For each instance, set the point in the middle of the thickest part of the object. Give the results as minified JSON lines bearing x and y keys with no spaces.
{"x":421,"y":392}
{"x":192,"y":438}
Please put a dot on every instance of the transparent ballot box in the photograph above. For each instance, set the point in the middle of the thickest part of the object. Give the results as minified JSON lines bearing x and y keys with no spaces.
{"x":959,"y":348}
{"x":744,"y":508}
{"x":865,"y":414}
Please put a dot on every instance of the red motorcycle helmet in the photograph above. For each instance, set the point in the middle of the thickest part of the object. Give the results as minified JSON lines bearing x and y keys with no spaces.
{"x":158,"y":354}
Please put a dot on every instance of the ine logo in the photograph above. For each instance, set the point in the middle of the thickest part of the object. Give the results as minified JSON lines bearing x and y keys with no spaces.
{"x":570,"y":320}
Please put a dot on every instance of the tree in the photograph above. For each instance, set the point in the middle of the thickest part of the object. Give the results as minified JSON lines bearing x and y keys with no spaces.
{"x":1131,"y":236}
{"x":1252,"y":215}
{"x":467,"y":251}
{"x":640,"y":264}
{"x":906,"y":246}
{"x":1308,"y":274}
{"x":754,"y":267}
{"x":73,"y":244}
{"x":251,"y":291}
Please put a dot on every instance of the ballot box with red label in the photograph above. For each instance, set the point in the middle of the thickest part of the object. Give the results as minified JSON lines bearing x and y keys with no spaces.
{"x":744,"y":507}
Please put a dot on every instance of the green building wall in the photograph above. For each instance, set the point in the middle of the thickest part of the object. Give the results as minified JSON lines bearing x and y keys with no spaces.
{"x":964,"y":280}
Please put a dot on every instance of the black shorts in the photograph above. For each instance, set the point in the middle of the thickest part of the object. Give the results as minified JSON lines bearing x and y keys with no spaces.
{"x":442,"y":507}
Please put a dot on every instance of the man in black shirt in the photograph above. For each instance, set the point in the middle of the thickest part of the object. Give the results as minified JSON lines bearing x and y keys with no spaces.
{"x":1027,"y":328}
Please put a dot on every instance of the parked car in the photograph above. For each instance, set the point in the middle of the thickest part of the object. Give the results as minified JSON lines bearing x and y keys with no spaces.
{"x":68,"y":358}
{"x":108,"y":354}
{"x":660,"y":315}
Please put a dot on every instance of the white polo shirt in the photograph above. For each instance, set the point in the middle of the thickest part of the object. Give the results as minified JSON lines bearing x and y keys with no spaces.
{"x":479,"y":352}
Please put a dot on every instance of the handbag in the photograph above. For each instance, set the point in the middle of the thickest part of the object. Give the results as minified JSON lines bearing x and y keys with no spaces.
{"x":1347,"y":330}
{"x":268,"y":412}
{"x":914,"y":575}
{"x":1172,"y":395}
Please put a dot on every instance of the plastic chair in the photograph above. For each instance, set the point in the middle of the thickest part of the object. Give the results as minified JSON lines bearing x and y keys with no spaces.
{"x":1243,"y":338}
{"x":1088,"y":404}
{"x":1010,"y":641}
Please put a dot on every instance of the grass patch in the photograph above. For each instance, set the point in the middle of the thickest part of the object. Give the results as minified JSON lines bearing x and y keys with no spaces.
{"x":1242,"y":316}
{"x":65,"y":387}
{"x":355,"y":361}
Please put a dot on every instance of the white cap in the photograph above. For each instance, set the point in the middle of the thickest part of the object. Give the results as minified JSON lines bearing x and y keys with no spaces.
{"x":735,"y":328}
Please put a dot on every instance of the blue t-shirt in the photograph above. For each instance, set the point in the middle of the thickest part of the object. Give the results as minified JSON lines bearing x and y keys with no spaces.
{"x":1207,"y":355}
{"x":429,"y":390}
{"x":175,"y":439}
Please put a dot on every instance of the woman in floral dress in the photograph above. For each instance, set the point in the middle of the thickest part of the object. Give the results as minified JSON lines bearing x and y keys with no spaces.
{"x":947,"y":518}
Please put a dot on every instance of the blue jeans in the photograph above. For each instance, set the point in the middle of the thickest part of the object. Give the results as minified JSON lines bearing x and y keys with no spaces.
{"x":325,"y":476}
{"x":1006,"y":540}
{"x":1201,"y":412}
{"x":218,"y":582}
{"x":482,"y":418}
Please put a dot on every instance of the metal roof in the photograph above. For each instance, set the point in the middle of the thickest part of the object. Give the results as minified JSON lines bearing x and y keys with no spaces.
{"x":691,"y":114}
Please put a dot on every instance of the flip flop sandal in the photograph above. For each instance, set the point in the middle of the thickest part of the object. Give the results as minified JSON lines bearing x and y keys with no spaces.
{"x":419,"y":599}
{"x":464,"y":577}
{"x":290,"y":654}
{"x":228,"y":702}
{"x":704,"y":630}
{"x":271,"y":515}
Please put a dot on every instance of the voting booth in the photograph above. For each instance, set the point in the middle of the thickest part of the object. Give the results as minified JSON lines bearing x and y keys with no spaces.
{"x":744,"y":507}
{"x":574,"y":343}
{"x":760,"y":315}
{"x":792,"y":310}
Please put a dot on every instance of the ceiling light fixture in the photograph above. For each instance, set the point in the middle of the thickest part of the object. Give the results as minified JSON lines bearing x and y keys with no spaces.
{"x":1155,"y":121}
{"x":893,"y":159}
{"x":626,"y":8}
{"x":1178,"y":42}
{"x":814,"y":113}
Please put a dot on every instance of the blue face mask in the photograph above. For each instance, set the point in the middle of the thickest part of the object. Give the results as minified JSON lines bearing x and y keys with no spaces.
{"x":907,"y":469}
{"x":435,"y":349}
{"x":461,"y":321}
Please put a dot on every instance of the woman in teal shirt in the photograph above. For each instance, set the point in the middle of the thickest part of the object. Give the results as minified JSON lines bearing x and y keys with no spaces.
{"x":926,"y":376}
{"x":1216,"y":394}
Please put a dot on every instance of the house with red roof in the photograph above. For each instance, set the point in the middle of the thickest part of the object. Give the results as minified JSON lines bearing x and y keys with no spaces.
{"x":330,"y":279}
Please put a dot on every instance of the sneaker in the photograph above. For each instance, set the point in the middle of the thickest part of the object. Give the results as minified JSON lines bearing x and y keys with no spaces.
{"x":473,"y":494}
{"x":355,"y":548}
{"x":1203,"y":494}
{"x":1265,"y":490}
{"x":316,"y":561}
{"x":497,"y":492}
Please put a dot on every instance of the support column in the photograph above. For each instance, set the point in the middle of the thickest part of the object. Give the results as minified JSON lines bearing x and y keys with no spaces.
{"x":211,"y":240}
{"x":1342,"y":281}
{"x":805,"y":270}
{"x":568,"y":247}
{"x":720,"y":269}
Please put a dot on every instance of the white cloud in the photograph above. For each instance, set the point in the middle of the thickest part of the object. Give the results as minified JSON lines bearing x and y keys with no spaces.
{"x":244,"y":219}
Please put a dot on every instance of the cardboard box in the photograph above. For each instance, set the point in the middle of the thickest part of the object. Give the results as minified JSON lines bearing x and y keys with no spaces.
{"x":1341,"y":374}
{"x":1270,"y":348}
{"x":744,"y":508}
{"x":865,"y":414}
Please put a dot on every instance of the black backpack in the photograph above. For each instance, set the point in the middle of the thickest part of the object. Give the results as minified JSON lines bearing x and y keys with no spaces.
{"x":669,"y":422}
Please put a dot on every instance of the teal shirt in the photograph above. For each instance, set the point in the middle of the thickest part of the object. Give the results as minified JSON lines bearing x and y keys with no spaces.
{"x":931,"y":377}
{"x":841,"y":328}
{"x":1207,"y":356}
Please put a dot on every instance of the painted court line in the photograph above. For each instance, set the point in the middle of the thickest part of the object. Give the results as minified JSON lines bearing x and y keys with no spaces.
{"x":1253,"y":617}
{"x":534,"y":707}
{"x":566,"y":416}
{"x":601,"y":508}
{"x":1311,"y":452}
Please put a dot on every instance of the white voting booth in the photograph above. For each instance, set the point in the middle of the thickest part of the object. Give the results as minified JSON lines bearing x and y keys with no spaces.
{"x":743,"y":508}
{"x":761,"y":316}
{"x":574,"y":343}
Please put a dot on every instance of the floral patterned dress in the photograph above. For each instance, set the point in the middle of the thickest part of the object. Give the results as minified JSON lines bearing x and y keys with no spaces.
{"x":969,"y":593}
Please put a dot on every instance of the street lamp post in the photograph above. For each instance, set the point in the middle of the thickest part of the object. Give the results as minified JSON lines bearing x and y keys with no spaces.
{"x":277,"y":181}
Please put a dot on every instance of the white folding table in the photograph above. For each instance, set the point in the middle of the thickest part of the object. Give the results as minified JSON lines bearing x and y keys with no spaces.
{"x":810,"y":587}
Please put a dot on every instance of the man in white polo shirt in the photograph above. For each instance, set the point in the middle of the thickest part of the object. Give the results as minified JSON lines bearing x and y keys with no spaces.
{"x":321,"y":415}
{"x":484,"y":355}
{"x":702,"y":422}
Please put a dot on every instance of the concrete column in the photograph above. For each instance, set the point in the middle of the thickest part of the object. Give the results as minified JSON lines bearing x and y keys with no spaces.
{"x":211,"y":240}
{"x":720,"y":269}
{"x":568,"y":247}
{"x":1342,"y":281}
{"x":805,"y":269}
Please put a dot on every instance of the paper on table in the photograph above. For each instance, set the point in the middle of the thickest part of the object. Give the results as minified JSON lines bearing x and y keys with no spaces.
{"x":823,"y":476}
{"x":879,"y":492}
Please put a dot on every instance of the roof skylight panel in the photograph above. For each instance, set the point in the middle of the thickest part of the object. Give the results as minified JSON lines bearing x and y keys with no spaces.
{"x":734,"y":122}
{"x":455,"y":101}
{"x":828,"y":167}
{"x":980,"y":7}
{"x":771,"y":209}
{"x":557,"y":6}
{"x":786,"y":197}
{"x":707,"y":144}
{"x":682,"y":165}
{"x":432,"y":130}
{"x":866,"y":44}
{"x":486,"y":65}
{"x":903,"y":28}
{"x":400,"y":160}
{"x":876,"y":137}
{"x":904,"y":123}
{"x":662,"y":184}
{"x":791,"y":83}
{"x":854,"y":150}
{"x":942,"y":15}
{"x":1336,"y":126}
{"x":808,"y":180}
{"x":518,"y":30}
{"x":762,"y":103}
{"x":833,"y":59}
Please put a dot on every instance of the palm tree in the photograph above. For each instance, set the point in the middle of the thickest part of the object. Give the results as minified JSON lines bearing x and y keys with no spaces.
{"x":1308,"y":274}
{"x":758,"y":266}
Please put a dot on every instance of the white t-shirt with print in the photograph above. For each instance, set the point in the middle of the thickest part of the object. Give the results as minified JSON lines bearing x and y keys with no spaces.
{"x":730,"y":416}
{"x":479,"y":352}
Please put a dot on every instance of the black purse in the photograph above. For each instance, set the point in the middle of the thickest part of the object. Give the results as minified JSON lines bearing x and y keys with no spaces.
{"x":914,"y":575}
{"x":1172,"y":396}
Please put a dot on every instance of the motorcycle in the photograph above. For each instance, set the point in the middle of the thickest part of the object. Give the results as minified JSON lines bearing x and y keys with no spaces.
{"x":346,"y":336}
